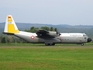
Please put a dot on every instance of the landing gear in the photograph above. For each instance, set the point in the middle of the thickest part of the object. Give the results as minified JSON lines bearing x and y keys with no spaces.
{"x":82,"y":44}
{"x":53,"y":44}
{"x":49,"y":44}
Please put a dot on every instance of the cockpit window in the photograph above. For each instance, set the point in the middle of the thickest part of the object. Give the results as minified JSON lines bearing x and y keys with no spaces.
{"x":84,"y":35}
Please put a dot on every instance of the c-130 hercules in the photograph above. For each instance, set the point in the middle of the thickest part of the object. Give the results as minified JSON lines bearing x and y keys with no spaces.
{"x":43,"y":36}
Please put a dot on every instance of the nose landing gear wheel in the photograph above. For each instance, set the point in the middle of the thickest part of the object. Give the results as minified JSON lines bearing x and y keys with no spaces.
{"x":82,"y":44}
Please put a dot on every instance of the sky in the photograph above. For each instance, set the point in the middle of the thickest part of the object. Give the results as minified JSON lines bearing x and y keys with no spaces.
{"x":72,"y":12}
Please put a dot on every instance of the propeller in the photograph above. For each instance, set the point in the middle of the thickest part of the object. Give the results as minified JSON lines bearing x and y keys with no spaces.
{"x":58,"y":33}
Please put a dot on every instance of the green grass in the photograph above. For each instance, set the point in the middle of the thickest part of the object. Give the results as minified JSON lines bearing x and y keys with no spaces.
{"x":46,"y":58}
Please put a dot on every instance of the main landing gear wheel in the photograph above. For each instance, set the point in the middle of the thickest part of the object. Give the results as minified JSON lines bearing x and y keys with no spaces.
{"x":49,"y":44}
{"x":53,"y":43}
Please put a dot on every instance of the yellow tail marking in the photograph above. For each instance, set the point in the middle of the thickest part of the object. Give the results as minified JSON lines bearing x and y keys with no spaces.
{"x":11,"y":29}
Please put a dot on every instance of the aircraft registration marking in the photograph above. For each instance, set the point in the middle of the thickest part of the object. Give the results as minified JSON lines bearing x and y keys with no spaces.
{"x":32,"y":37}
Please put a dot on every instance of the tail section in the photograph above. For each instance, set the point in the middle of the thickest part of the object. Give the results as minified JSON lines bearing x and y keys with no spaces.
{"x":10,"y":26}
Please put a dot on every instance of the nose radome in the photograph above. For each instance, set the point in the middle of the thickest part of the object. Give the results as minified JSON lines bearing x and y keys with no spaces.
{"x":89,"y":40}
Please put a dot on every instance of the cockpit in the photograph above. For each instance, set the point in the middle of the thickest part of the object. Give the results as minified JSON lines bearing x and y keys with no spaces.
{"x":86,"y":37}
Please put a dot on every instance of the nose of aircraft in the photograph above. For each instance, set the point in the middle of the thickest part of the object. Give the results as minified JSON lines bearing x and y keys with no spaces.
{"x":89,"y":40}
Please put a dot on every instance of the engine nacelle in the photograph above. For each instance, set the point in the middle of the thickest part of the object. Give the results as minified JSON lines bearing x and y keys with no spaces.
{"x":53,"y":33}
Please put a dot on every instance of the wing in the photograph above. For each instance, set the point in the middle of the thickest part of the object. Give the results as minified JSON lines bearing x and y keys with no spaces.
{"x":46,"y":34}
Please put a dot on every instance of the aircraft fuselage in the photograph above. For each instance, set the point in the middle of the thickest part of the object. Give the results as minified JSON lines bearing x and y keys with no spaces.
{"x":77,"y":38}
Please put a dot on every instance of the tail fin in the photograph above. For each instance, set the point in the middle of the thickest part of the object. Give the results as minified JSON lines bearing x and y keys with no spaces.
{"x":10,"y":26}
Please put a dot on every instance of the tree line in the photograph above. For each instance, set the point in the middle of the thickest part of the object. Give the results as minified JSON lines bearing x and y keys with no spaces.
{"x":34,"y":29}
{"x":12,"y":39}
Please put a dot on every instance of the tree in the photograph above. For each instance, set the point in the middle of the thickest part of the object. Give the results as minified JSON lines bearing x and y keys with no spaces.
{"x":45,"y":28}
{"x":32,"y":28}
{"x":56,"y":30}
{"x":3,"y":40}
{"x":51,"y":29}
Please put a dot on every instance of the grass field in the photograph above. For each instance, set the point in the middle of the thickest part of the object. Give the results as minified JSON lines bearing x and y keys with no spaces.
{"x":34,"y":57}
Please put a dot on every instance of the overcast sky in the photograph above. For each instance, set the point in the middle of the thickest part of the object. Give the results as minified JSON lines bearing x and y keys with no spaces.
{"x":73,"y":12}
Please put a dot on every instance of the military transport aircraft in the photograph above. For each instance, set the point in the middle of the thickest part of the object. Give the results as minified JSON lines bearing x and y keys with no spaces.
{"x":43,"y":36}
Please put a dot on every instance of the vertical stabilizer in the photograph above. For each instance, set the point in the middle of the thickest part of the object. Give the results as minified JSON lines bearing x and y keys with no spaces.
{"x":10,"y":26}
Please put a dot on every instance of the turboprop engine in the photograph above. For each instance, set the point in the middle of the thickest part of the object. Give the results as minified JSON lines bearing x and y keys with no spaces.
{"x":53,"y":33}
{"x":47,"y":34}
